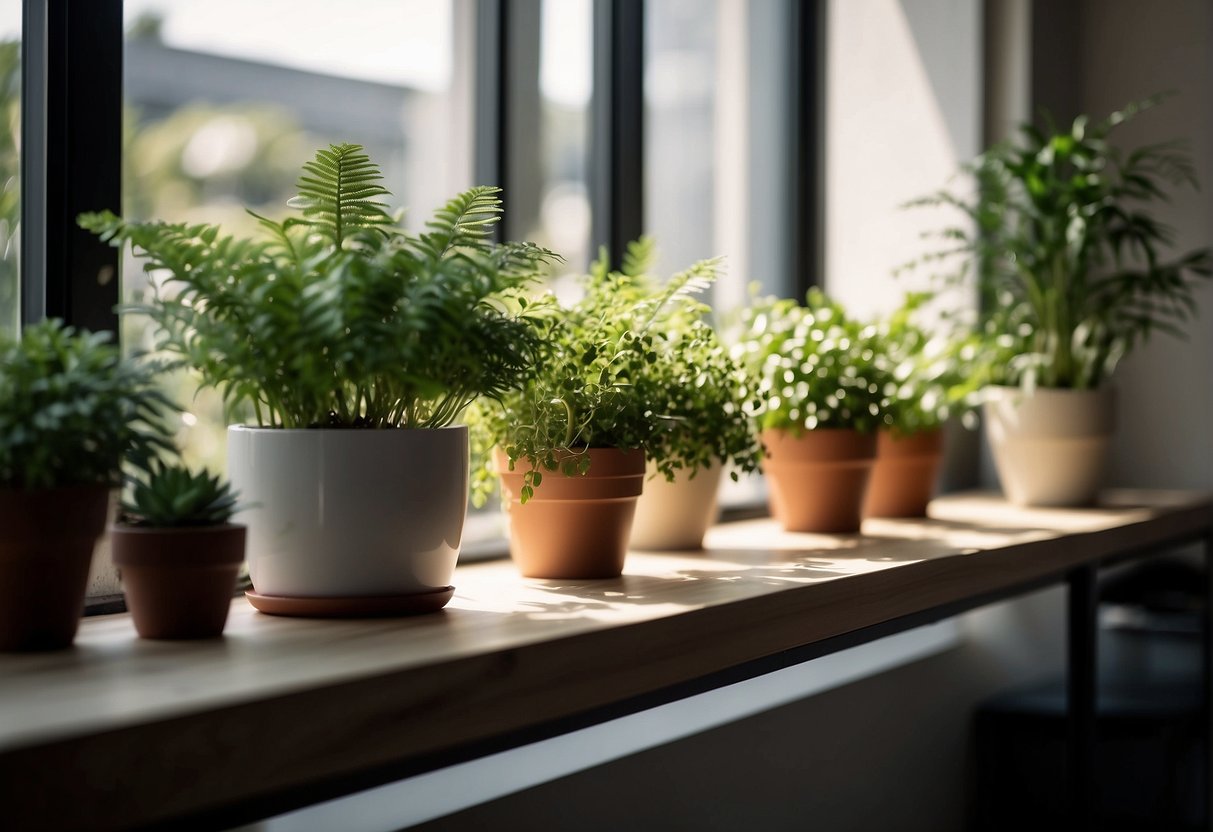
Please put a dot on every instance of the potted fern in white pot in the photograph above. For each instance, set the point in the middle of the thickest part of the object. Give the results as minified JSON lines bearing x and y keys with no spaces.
{"x":1073,"y":273}
{"x":355,"y":346}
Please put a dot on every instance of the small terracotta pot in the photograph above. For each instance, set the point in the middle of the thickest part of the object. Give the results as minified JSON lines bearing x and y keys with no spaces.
{"x":818,"y":478}
{"x":179,"y":582}
{"x":46,"y":544}
{"x":903,"y":480}
{"x":574,"y":527}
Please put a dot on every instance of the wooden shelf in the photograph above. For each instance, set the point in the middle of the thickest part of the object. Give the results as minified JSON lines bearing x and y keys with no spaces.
{"x":121,"y":732}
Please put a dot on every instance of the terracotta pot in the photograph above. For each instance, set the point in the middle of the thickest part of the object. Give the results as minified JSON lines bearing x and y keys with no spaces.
{"x":818,"y":478}
{"x":46,"y":543}
{"x":676,"y":515}
{"x":1050,"y":446}
{"x":179,"y":582}
{"x":903,"y":479}
{"x":575,"y":527}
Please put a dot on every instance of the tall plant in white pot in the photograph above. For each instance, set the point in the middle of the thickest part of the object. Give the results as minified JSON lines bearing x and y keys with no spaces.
{"x":355,"y":346}
{"x":1073,"y":273}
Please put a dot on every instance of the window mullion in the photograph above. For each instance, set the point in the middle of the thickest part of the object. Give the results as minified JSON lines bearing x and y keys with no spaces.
{"x":617,"y":126}
{"x":72,"y":135}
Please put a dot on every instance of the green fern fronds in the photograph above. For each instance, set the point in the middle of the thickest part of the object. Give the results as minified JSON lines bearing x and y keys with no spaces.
{"x":463,"y":222}
{"x":337,"y":193}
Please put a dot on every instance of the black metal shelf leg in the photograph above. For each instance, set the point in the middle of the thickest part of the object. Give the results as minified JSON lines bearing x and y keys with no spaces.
{"x":1081,"y":692}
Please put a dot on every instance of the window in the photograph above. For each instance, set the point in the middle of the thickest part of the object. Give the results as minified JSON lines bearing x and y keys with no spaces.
{"x":717,"y":95}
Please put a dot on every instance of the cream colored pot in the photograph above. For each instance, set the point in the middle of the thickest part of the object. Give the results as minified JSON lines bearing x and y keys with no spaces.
{"x":1050,"y":446}
{"x":676,"y":515}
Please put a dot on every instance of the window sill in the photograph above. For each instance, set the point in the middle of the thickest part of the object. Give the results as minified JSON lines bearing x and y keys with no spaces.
{"x":283,"y":713}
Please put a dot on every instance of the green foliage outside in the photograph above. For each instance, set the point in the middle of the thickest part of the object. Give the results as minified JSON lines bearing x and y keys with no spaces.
{"x":170,"y":495}
{"x":10,"y":183}
{"x":632,"y":365}
{"x":72,"y":408}
{"x":814,"y":366}
{"x":1072,"y":269}
{"x":337,"y":317}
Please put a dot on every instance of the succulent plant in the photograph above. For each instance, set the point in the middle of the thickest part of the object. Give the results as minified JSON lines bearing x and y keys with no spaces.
{"x":172,"y":495}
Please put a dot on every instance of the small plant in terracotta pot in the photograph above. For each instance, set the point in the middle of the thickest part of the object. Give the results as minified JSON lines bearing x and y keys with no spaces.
{"x":929,"y":383}
{"x":571,"y":445}
{"x":820,"y":394}
{"x":177,"y":552}
{"x":71,"y":407}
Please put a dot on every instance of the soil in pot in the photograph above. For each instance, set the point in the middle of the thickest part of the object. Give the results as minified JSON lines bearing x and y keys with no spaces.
{"x":45,"y":550}
{"x":818,"y":478}
{"x":675,"y":515}
{"x":574,"y":527}
{"x":903,"y":479}
{"x":178,"y":582}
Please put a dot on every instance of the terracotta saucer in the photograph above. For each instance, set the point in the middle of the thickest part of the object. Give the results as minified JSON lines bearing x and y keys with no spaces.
{"x":374,"y":606}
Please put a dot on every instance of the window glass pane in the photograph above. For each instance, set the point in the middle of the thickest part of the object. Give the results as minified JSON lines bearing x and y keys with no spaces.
{"x":220,"y":117}
{"x":716,"y":110}
{"x":10,"y":164}
{"x":549,"y":128}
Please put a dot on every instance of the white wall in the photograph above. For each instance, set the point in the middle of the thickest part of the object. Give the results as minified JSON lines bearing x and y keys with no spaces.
{"x":903,"y":112}
{"x":1132,"y":50}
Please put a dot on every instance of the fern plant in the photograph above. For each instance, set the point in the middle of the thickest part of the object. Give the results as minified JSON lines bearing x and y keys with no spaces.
{"x":1072,"y":269}
{"x":632,"y":365}
{"x":171,"y":496}
{"x":338,"y":317}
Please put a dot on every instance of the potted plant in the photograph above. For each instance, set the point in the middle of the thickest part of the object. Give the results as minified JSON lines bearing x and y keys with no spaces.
{"x":928,"y":383}
{"x":1073,"y":274}
{"x":70,"y":409}
{"x":177,"y":552}
{"x":571,"y":444}
{"x":701,"y":393}
{"x":354,"y":346}
{"x":820,"y":394}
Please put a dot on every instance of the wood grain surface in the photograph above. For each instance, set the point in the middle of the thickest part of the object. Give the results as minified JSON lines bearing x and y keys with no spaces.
{"x":120,"y":732}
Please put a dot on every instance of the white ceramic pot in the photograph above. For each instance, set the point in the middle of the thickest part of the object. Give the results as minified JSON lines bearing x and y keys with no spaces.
{"x":343,"y":513}
{"x":675,"y":515}
{"x":1050,"y":446}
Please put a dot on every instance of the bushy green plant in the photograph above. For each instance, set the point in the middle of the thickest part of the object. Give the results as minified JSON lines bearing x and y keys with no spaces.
{"x":339,"y":318}
{"x":72,"y":408}
{"x":1072,"y":268}
{"x":172,"y":495}
{"x":930,"y":370}
{"x":633,"y":365}
{"x":814,"y":366}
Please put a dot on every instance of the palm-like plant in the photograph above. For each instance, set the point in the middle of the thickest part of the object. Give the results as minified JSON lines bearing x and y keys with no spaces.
{"x":337,"y":317}
{"x":1072,"y":269}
